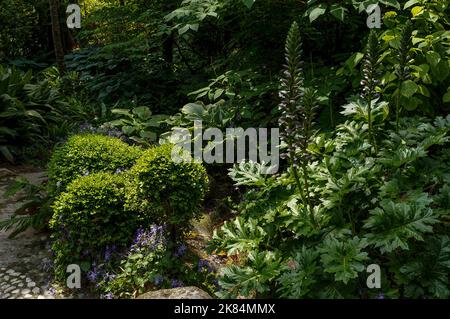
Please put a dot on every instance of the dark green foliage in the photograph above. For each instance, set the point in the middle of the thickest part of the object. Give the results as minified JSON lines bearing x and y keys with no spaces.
{"x":89,"y":153}
{"x":169,"y":191}
{"x":367,"y":205}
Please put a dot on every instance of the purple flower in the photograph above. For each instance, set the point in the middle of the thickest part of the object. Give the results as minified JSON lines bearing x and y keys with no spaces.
{"x":109,"y":295}
{"x":52,"y":291}
{"x":181,"y":251}
{"x":93,"y":275}
{"x":380,"y":296}
{"x":150,"y":238}
{"x":158,"y":280}
{"x":109,"y":251}
{"x":204,"y":264}
{"x":119,"y":170}
{"x":176,"y":283}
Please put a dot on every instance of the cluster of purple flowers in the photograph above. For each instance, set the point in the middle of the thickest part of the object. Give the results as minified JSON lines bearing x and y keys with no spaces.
{"x":181,"y":250}
{"x":151,"y":238}
{"x":108,"y":295}
{"x":105,"y":130}
{"x":108,"y":252}
{"x":176,"y":283}
{"x":204,"y":265}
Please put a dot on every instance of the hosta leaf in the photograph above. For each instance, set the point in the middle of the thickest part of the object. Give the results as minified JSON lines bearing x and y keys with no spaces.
{"x":408,"y":88}
{"x":317,"y":12}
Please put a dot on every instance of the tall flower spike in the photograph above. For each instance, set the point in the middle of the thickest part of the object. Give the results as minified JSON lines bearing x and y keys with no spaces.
{"x":402,"y":70}
{"x":292,"y":114}
{"x":369,"y":81}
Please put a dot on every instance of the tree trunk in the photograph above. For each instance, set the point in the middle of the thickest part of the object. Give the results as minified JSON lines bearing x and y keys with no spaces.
{"x":57,"y":35}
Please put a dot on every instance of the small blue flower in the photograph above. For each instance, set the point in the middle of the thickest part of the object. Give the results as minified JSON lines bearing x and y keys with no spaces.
{"x":109,"y":251}
{"x":176,"y":283}
{"x":109,"y":295}
{"x":158,"y":280}
{"x":52,"y":291}
{"x":92,"y":275}
{"x":204,"y":264}
{"x":181,"y":251}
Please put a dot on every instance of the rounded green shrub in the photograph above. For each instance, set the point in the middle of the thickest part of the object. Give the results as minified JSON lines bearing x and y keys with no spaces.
{"x":88,"y":217}
{"x":89,"y":153}
{"x":168,"y":191}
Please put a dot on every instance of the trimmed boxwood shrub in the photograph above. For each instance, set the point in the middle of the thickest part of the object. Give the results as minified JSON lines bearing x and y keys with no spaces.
{"x":88,"y":217}
{"x":89,"y":153}
{"x":170,"y":192}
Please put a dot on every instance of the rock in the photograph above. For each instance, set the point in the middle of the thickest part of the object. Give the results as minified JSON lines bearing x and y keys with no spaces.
{"x":31,"y":284}
{"x":176,"y":293}
{"x":4,"y":172}
{"x":36,"y":290}
{"x":25,"y":291}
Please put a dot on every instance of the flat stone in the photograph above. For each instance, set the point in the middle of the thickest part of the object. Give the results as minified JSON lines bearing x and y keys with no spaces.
{"x":10,"y":271}
{"x":16,"y":291}
{"x":31,"y":284}
{"x":25,"y":291}
{"x":176,"y":293}
{"x":36,"y":290}
{"x":40,"y":297}
{"x":28,"y":280}
{"x":28,"y":296}
{"x":10,"y":288}
{"x":6,"y":278}
{"x":20,"y":285}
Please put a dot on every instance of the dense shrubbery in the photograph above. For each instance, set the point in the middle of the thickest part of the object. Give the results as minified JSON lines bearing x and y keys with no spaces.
{"x":88,"y":217}
{"x":90,"y":153}
{"x":364,"y":176}
{"x":171,"y":191}
{"x":105,"y":207}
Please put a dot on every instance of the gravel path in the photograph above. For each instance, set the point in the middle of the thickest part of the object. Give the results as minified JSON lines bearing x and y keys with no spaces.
{"x":22,"y":258}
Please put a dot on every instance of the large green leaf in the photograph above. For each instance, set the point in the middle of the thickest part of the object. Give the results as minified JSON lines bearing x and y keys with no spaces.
{"x":392,"y":224}
{"x":317,"y":12}
{"x":408,"y":88}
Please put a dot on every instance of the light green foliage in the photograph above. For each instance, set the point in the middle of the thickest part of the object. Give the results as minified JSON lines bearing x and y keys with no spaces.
{"x":139,"y":124}
{"x":89,"y":216}
{"x":393,"y":224}
{"x":344,"y":257}
{"x":170,"y":191}
{"x":89,"y":153}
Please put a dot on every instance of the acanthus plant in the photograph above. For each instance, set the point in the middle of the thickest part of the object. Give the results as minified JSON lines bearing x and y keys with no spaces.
{"x":370,"y":205}
{"x":297,"y":106}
